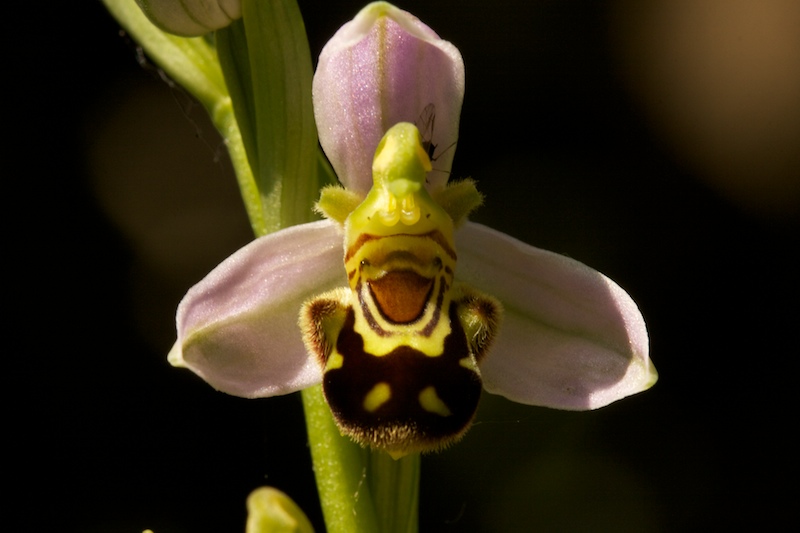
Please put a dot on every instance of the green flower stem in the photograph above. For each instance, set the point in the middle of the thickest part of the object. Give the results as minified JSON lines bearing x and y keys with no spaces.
{"x":340,"y":470}
{"x":225,"y":122}
{"x":395,"y":490}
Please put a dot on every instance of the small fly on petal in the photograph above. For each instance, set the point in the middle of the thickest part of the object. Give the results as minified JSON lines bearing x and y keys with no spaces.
{"x":426,"y":124}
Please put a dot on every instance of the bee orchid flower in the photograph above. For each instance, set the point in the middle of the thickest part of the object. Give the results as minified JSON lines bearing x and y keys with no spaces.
{"x":402,"y":308}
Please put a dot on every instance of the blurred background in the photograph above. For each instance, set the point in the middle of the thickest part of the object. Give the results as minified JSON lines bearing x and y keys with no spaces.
{"x":656,"y":141}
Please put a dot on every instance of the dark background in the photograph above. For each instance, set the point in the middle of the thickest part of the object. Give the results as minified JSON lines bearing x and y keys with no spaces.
{"x":656,"y":141}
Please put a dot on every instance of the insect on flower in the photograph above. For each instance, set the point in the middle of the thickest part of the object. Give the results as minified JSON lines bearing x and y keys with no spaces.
{"x":426,"y":124}
{"x":400,"y":347}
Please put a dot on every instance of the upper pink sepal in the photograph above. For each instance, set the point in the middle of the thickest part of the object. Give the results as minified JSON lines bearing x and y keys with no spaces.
{"x":381,"y":68}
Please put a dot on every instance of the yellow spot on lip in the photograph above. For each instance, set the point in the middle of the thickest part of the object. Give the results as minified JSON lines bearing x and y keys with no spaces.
{"x":336,"y":360}
{"x":431,"y":402}
{"x":397,"y":454}
{"x":468,"y":363}
{"x":379,"y":395}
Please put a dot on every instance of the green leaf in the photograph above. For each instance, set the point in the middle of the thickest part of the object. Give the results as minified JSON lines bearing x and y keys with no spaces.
{"x":280,"y":62}
{"x":235,"y":62}
{"x":267,"y":65}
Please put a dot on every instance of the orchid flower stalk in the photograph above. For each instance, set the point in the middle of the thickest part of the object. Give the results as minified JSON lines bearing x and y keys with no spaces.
{"x":395,"y":312}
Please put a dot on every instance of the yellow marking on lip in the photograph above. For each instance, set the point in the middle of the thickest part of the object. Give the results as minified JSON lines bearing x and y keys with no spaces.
{"x":336,"y":360}
{"x":468,"y":363}
{"x":418,"y":240}
{"x":379,"y":395}
{"x":431,"y":402}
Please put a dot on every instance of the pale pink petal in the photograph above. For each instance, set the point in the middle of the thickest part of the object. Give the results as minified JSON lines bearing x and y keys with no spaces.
{"x":570,"y":337}
{"x":381,"y":68}
{"x":237,"y":328}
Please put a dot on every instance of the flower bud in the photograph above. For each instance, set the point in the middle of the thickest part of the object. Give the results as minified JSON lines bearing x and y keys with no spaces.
{"x":191,"y":18}
{"x":271,"y":511}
